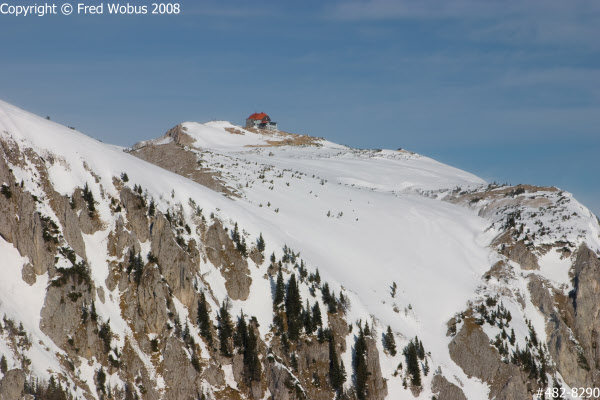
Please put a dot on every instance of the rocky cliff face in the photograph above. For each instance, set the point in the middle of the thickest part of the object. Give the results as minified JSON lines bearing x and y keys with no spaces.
{"x":125,"y":286}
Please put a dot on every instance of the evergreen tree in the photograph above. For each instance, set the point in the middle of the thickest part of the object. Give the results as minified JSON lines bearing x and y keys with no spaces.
{"x":54,"y":391}
{"x":196,"y":363}
{"x":316,"y":316}
{"x":152,"y":208}
{"x":89,"y":199}
{"x":389,"y":343}
{"x":101,"y":379}
{"x":135,"y":266}
{"x":252,"y":368}
{"x":321,"y":335}
{"x":343,"y":301}
{"x":260,"y":243}
{"x":361,"y":372}
{"x":186,"y":333}
{"x":204,"y":319}
{"x":93,"y":314}
{"x":336,"y":373}
{"x":279,"y":290}
{"x":293,"y":309}
{"x":84,"y":313}
{"x":307,"y":319}
{"x":533,"y":335}
{"x":366,"y":330}
{"x":240,"y":337}
{"x":329,"y":299}
{"x":543,"y":376}
{"x":412,"y":362}
{"x":235,"y":234}
{"x":105,"y":334}
{"x":225,"y":329}
{"x":3,"y":365}
{"x":556,"y":390}
{"x":420,"y":348}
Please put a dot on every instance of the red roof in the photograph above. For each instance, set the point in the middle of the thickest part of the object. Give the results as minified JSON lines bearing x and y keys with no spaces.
{"x":258,"y":116}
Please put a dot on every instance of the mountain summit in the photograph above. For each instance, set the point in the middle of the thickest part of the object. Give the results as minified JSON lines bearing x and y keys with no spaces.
{"x":221,"y":262}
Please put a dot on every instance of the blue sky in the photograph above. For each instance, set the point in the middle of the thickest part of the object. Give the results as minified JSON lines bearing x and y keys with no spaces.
{"x":508,"y":90}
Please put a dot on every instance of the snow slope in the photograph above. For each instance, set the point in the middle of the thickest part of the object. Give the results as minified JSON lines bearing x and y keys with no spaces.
{"x":356,"y":215}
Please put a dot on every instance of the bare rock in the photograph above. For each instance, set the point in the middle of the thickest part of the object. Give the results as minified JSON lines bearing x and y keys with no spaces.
{"x":28,"y":274}
{"x":12,"y":385}
{"x":446,"y":390}
{"x":70,"y":224}
{"x":278,"y":379}
{"x":222,"y":253}
{"x":137,"y":219}
{"x":177,"y":266}
{"x":120,"y":239}
{"x":470,"y":349}
{"x":376,"y":384}
{"x":574,"y":324}
{"x":177,"y":158}
{"x":520,"y":254}
{"x":340,"y":330}
{"x":152,"y":295}
{"x":183,"y":381}
{"x":257,"y":257}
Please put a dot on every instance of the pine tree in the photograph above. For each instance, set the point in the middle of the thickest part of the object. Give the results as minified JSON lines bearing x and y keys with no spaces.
{"x":361,"y":372}
{"x":512,"y":337}
{"x":328,"y":299}
{"x":225,"y":329}
{"x":293,"y":309}
{"x":557,"y":388}
{"x":105,"y":334}
{"x":412,"y":362}
{"x":93,"y":314}
{"x":420,"y":348}
{"x":186,"y":333}
{"x":533,"y":335}
{"x":321,"y":335}
{"x":235,"y":234}
{"x":135,"y":266}
{"x":101,"y":379}
{"x":316,"y":316}
{"x":3,"y":365}
{"x":336,"y":373}
{"x":307,"y":319}
{"x":196,"y":363}
{"x":89,"y":198}
{"x":279,"y":290}
{"x":260,"y":243}
{"x":366,"y":330}
{"x":252,"y":368}
{"x":152,"y":208}
{"x":240,"y":337}
{"x":389,"y":343}
{"x":204,"y":319}
{"x":84,"y":313}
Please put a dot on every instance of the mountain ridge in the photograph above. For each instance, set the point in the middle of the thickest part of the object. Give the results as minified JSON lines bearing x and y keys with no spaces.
{"x":429,"y":226}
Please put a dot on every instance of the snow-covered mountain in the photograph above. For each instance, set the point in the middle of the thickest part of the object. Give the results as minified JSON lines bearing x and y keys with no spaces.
{"x":121,"y":268}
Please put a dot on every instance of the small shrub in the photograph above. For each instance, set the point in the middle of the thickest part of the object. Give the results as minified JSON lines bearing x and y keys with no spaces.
{"x":5,"y":190}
